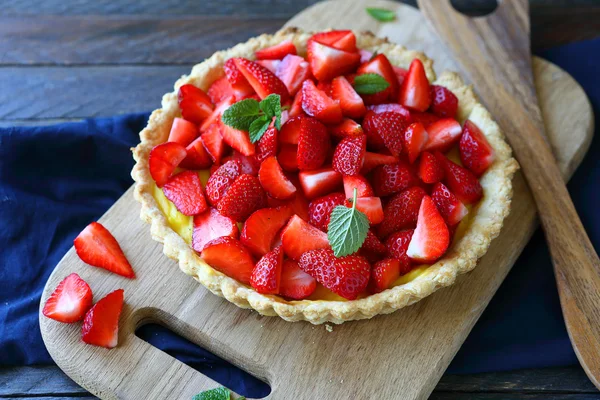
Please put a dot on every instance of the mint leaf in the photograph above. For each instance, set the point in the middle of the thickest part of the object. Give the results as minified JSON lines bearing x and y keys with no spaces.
{"x":258,"y":127}
{"x":214,"y":394}
{"x":241,"y":114}
{"x":347,"y":229}
{"x":381,"y":14}
{"x":370,"y":83}
{"x":271,"y":106}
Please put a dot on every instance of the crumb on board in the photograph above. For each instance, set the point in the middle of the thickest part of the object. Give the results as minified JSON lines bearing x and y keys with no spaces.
{"x":328,"y":328}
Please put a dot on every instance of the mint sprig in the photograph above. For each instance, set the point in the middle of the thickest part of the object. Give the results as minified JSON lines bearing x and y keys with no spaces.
{"x":254,"y":117}
{"x":381,"y":14}
{"x":215,"y":394}
{"x":370,"y":83}
{"x":347,"y":229}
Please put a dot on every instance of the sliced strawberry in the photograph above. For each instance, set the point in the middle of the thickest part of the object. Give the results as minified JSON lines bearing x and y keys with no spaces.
{"x":388,"y":127}
{"x":448,"y":205}
{"x":317,"y":104}
{"x":239,"y":84}
{"x":372,"y":248}
{"x":195,"y":105}
{"x":347,"y":128}
{"x":298,"y":204}
{"x":293,"y":70}
{"x":400,"y":74}
{"x":319,"y":182}
{"x":460,"y":180}
{"x":244,"y":196}
{"x":185,"y":191}
{"x":443,"y":134}
{"x":299,"y":236}
{"x":273,"y":180}
{"x":392,"y":178}
{"x":267,"y":145}
{"x":69,"y":301}
{"x":296,"y":108}
{"x":229,"y":256}
{"x":213,"y":142}
{"x":197,"y":157}
{"x":346,"y":42}
{"x":397,"y":244}
{"x":380,"y":65}
{"x":96,"y":246}
{"x":431,"y":238}
{"x":351,"y":103}
{"x":415,"y":138}
{"x":290,"y":131}
{"x":220,"y":90}
{"x":349,"y":155}
{"x":330,"y":37}
{"x":325,"y":87}
{"x":313,"y":144}
{"x":266,"y":275}
{"x":101,"y":323}
{"x":320,"y":209}
{"x":384,"y":274}
{"x":414,"y":92}
{"x":475,"y":152}
{"x":163,"y":160}
{"x":263,"y":81}
{"x":371,"y":128}
{"x":347,"y":276}
{"x":238,"y":140}
{"x":397,"y":108}
{"x":295,"y":283}
{"x":215,"y":116}
{"x":220,"y":180}
{"x":271,"y":65}
{"x":182,"y":131}
{"x":287,"y":157}
{"x":211,"y":225}
{"x":443,"y":102}
{"x":261,"y":228}
{"x":249,"y":164}
{"x":373,"y":160}
{"x":365,"y":55}
{"x":276,"y":52}
{"x":370,"y":206}
{"x":327,"y":62}
{"x":430,"y":170}
{"x":401,"y":211}
{"x":425,"y":118}
{"x":358,"y":182}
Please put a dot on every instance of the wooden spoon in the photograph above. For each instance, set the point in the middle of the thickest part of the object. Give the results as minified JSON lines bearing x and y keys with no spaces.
{"x":494,"y":53}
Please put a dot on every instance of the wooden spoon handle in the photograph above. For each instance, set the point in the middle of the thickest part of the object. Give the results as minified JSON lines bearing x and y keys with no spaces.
{"x":494,"y":53}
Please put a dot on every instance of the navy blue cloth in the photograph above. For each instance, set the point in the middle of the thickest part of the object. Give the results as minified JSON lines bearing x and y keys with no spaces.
{"x":55,"y":180}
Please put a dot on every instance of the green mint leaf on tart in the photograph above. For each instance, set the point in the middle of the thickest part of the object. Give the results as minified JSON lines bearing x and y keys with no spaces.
{"x":271,"y":106}
{"x":214,"y":394}
{"x":258,"y":127}
{"x":241,"y":114}
{"x":347,"y":229}
{"x":381,"y":14}
{"x":370,"y":83}
{"x":254,"y":117}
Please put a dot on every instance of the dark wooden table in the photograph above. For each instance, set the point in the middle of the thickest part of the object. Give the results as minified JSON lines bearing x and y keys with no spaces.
{"x":68,"y":60}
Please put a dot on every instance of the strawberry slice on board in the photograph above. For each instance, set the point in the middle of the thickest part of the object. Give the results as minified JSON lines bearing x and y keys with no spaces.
{"x":415,"y":138}
{"x":347,"y":128}
{"x":384,"y":274}
{"x":276,"y":52}
{"x":274,"y":181}
{"x":263,"y":81}
{"x":448,"y":204}
{"x":415,"y":93}
{"x":358,"y":182}
{"x":373,"y":160}
{"x":267,"y":145}
{"x":295,"y":284}
{"x":244,"y":196}
{"x":163,"y":160}
{"x":317,"y":104}
{"x":195,"y":105}
{"x":266,"y":275}
{"x":370,"y":206}
{"x":430,"y":170}
{"x":393,"y":178}
{"x":401,"y":211}
{"x":197,"y":156}
{"x":220,"y":180}
{"x":215,"y":116}
{"x":101,"y":323}
{"x":229,"y":256}
{"x":211,"y":225}
{"x":319,"y":182}
{"x":380,"y":65}
{"x":443,"y":102}
{"x":349,"y":155}
{"x":96,"y":246}
{"x":183,"y":132}
{"x":462,"y":182}
{"x":185,"y":191}
{"x":313,"y":144}
{"x":431,"y":237}
{"x":320,"y":209}
{"x":238,"y":140}
{"x":293,"y":70}
{"x":239,"y":84}
{"x":69,"y":301}
{"x":475,"y":152}
{"x":220,"y":90}
{"x":287,"y":157}
{"x":262,"y":227}
{"x":299,"y":236}
{"x":327,"y":62}
{"x":443,"y":134}
{"x":351,"y":103}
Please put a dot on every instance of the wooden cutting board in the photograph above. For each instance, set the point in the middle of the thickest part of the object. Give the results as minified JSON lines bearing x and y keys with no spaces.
{"x":397,"y":356}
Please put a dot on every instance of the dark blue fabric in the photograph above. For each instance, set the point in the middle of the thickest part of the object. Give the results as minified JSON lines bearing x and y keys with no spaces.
{"x":55,"y":180}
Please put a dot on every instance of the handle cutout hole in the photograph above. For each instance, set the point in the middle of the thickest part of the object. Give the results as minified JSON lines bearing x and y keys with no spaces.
{"x":475,"y":9}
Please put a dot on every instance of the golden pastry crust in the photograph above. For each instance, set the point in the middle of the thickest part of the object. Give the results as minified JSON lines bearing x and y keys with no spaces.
{"x":486,"y":219}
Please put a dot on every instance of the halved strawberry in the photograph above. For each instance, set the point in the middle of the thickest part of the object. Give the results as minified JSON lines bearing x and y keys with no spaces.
{"x":295,"y":283}
{"x":299,"y":236}
{"x":347,"y":128}
{"x":392,"y":178}
{"x":346,"y":42}
{"x":197,"y":156}
{"x":381,"y":108}
{"x":388,"y":127}
{"x":238,"y":140}
{"x":414,"y":92}
{"x":327,"y":62}
{"x":293,"y":70}
{"x":380,"y":65}
{"x":460,"y":180}
{"x":229,"y":256}
{"x":351,"y":103}
{"x":415,"y":138}
{"x":244,"y":196}
{"x":370,"y":126}
{"x":69,"y":301}
{"x":320,"y":209}
{"x":448,"y":205}
{"x":443,"y":134}
{"x":101,"y":323}
{"x":317,"y":104}
{"x":329,"y":38}
{"x":215,"y":116}
{"x":325,"y":87}
{"x":239,"y":84}
{"x":185,"y":191}
{"x":373,"y":160}
{"x":183,"y":132}
{"x":313,"y":144}
{"x":263,"y":81}
{"x":298,"y":204}
{"x":290,"y":131}
{"x":213,"y":142}
{"x":163,"y":160}
{"x":358,"y":182}
{"x":426,"y":118}
{"x":266,"y":275}
{"x":475,"y":152}
{"x":277,"y":51}
{"x":296,"y":108}
{"x":271,"y":65}
{"x":220,"y":90}
{"x":220,"y":180}
{"x":248,"y":163}
{"x":401,"y":211}
{"x":96,"y":246}
{"x":372,"y":248}
{"x":274,"y":181}
{"x":261,"y":228}
{"x":431,"y":238}
{"x":287,"y":157}
{"x":267,"y":145}
{"x":443,"y":102}
{"x":383,"y":274}
{"x":370,"y":206}
{"x":397,"y":245}
{"x":430,"y":170}
{"x":347,"y":276}
{"x":195,"y":105}
{"x":211,"y":225}
{"x":400,"y":74}
{"x":319,"y":182}
{"x":349,"y":155}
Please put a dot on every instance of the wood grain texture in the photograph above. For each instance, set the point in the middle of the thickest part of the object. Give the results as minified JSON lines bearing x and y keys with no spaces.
{"x":401,"y":355}
{"x":494,"y":53}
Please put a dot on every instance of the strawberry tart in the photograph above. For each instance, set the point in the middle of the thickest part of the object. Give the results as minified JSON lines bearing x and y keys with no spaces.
{"x":324,"y":177}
